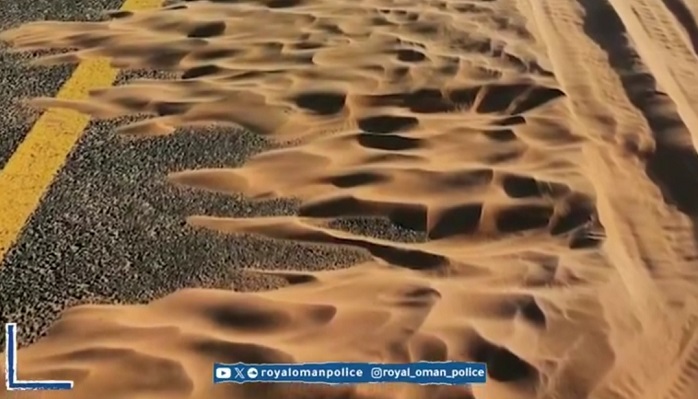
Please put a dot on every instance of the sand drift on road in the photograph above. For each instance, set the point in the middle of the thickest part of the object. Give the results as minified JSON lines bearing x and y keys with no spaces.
{"x":545,"y":160}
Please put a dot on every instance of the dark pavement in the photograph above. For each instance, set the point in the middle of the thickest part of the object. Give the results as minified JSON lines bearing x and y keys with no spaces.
{"x":111,"y":229}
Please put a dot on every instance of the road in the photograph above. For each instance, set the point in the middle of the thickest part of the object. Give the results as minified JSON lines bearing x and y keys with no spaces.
{"x":109,"y":228}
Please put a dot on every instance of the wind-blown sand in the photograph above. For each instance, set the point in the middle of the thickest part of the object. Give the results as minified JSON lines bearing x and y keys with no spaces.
{"x":543,"y":147}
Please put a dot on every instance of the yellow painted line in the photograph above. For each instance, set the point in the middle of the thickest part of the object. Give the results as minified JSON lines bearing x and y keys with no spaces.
{"x":33,"y":166}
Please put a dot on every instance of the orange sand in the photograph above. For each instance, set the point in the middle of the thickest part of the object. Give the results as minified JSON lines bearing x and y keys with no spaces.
{"x":545,"y":146}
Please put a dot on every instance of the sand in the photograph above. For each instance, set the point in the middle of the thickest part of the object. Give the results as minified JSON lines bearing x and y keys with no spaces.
{"x":543,"y":148}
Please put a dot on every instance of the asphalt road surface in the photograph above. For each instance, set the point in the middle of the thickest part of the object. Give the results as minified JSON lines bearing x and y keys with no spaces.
{"x":110,"y":229}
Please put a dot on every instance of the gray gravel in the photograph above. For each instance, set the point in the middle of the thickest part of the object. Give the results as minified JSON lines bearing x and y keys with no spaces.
{"x":18,"y":79}
{"x":110,"y":229}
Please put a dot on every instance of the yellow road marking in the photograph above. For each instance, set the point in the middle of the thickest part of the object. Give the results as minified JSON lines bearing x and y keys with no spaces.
{"x":33,"y":166}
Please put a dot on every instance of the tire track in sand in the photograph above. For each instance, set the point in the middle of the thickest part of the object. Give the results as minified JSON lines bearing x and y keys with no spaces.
{"x":666,"y":51}
{"x":670,"y":56}
{"x":599,"y":101}
{"x":685,"y":13}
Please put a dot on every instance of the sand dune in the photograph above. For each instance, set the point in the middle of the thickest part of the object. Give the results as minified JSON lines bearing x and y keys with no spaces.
{"x":542,"y":149}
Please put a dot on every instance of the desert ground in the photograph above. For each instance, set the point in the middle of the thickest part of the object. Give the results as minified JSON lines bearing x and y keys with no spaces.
{"x":521,"y":175}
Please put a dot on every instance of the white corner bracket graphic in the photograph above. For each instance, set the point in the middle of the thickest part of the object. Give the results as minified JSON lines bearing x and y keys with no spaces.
{"x":11,"y":381}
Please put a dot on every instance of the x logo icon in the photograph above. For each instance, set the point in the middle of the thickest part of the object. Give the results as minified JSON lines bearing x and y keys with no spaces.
{"x":239,"y":374}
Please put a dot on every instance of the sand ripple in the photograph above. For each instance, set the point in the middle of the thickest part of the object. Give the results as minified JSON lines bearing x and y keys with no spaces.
{"x":444,"y":118}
